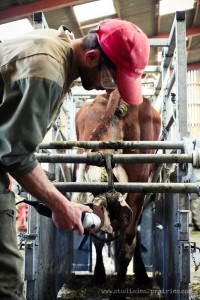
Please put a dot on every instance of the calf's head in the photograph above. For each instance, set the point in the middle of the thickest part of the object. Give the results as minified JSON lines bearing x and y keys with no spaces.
{"x":117,"y":213}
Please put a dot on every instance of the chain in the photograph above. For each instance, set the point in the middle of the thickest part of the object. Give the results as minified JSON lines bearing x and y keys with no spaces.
{"x":193,"y":258}
{"x":195,"y":264}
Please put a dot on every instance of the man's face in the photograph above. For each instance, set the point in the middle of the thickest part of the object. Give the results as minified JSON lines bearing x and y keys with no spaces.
{"x":91,"y":78}
{"x":98,"y":77}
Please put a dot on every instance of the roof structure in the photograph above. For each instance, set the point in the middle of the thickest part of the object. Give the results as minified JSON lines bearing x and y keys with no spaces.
{"x":144,"y":13}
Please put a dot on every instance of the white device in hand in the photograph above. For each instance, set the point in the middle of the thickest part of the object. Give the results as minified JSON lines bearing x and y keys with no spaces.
{"x":90,"y":221}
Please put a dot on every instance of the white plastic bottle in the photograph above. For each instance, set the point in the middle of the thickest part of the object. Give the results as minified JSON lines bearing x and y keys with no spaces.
{"x":90,"y":221}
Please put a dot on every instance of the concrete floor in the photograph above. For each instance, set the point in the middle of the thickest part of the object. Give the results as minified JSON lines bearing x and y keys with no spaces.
{"x":195,"y":275}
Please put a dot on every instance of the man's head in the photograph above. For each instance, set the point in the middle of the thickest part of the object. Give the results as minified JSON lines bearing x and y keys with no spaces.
{"x":127,"y":47}
{"x":95,"y":68}
{"x":116,"y":53}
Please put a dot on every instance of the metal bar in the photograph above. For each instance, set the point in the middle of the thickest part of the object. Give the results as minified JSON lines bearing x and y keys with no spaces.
{"x":181,"y":75}
{"x":129,"y":187}
{"x":154,"y":42}
{"x":112,"y":145}
{"x":39,"y":20}
{"x":182,"y":131}
{"x":190,"y":32}
{"x":170,"y":84}
{"x":152,"y":69}
{"x":98,"y":158}
{"x":171,"y":46}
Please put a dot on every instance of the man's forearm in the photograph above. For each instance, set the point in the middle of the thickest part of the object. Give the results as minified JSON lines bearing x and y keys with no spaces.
{"x":38,"y":185}
{"x":65,"y":214}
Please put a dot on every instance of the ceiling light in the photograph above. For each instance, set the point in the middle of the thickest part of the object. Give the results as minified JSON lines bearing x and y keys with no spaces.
{"x":93,"y":10}
{"x":171,"y":6}
{"x":14,"y":29}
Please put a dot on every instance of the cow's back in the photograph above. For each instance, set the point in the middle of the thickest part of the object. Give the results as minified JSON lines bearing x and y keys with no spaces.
{"x":97,"y":120}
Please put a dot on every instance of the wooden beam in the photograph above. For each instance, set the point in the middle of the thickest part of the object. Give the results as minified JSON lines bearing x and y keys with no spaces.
{"x":193,"y":31}
{"x":21,"y":11}
{"x":194,"y":66}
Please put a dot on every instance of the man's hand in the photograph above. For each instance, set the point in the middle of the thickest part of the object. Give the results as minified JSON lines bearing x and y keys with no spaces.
{"x":65,"y":214}
{"x":69,"y":216}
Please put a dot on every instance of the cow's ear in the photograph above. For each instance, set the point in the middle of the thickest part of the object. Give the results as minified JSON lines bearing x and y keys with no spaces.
{"x":92,"y":57}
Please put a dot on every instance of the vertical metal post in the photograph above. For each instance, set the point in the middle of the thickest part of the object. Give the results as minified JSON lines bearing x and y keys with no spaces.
{"x":165,"y":73}
{"x":184,"y":245}
{"x":31,"y":254}
{"x":39,"y":20}
{"x":70,"y":117}
{"x":182,"y":131}
{"x":172,"y":217}
{"x":181,"y":76}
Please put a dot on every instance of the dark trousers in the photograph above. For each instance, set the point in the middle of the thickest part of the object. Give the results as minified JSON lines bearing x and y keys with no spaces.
{"x":11,"y":261}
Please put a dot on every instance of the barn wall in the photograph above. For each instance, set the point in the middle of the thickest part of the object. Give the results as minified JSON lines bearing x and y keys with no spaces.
{"x":193,"y":95}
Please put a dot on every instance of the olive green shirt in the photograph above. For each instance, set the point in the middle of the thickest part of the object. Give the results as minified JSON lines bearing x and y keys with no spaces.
{"x":36,"y":71}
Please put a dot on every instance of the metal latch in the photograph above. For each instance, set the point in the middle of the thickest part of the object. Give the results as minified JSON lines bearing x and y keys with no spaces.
{"x":193,"y":249}
{"x":24,"y":238}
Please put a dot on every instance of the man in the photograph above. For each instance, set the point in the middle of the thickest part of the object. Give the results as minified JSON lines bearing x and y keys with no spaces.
{"x":36,"y":72}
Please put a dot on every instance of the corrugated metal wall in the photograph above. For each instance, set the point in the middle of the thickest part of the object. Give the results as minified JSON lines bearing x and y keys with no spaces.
{"x":193,"y":90}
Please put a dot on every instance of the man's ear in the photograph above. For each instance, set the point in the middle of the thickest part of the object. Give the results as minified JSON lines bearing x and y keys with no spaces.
{"x":92,"y":57}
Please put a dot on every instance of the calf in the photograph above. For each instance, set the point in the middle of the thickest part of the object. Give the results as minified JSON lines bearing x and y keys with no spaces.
{"x":109,"y":118}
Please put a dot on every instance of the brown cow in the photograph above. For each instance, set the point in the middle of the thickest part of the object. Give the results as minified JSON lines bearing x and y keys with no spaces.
{"x":108,"y":117}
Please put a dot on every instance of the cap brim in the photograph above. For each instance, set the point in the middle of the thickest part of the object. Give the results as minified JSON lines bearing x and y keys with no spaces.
{"x":129,"y":88}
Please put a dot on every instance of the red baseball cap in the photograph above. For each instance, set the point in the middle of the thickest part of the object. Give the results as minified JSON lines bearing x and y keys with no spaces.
{"x":127,"y":46}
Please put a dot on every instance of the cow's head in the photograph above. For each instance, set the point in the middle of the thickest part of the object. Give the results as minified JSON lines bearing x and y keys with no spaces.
{"x":117,"y":213}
